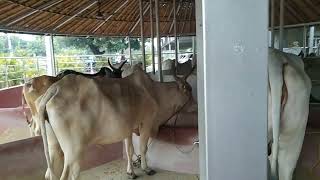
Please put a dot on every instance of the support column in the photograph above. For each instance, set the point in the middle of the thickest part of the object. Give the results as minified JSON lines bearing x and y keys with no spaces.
{"x":281,"y":25}
{"x":311,"y":39}
{"x":272,"y":23}
{"x":233,"y":124}
{"x":142,"y":35}
{"x":10,"y":45}
{"x":305,"y":41}
{"x":152,"y":38}
{"x":51,"y":65}
{"x":175,"y":34}
{"x":158,"y":40}
{"x":193,"y":51}
{"x":129,"y":46}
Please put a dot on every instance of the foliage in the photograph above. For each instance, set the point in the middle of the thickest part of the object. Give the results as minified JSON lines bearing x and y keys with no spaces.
{"x":22,"y":47}
{"x":96,"y":46}
{"x":17,"y":70}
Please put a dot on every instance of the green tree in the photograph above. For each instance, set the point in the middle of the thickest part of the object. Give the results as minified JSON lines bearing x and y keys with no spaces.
{"x":96,"y":46}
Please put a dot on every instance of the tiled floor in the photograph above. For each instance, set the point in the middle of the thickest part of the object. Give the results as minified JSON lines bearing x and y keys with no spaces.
{"x":13,"y":127}
{"x":116,"y":170}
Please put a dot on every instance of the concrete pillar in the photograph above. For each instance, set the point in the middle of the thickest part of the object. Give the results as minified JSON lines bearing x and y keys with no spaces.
{"x":232,"y":89}
{"x":51,"y":68}
{"x":281,"y":30}
{"x":311,"y":39}
{"x":272,"y":23}
{"x":305,"y":40}
{"x":10,"y":45}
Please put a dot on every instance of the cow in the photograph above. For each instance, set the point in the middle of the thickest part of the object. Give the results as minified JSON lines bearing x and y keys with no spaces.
{"x":288,"y":107}
{"x":77,"y":111}
{"x":37,"y":86}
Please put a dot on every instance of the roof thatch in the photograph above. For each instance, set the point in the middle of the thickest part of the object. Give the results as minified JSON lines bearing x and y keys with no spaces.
{"x":298,"y":11}
{"x":79,"y":17}
{"x":120,"y":17}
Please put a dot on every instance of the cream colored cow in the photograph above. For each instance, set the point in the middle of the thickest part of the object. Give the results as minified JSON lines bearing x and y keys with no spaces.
{"x":288,"y":108}
{"x":37,"y":86}
{"x":84,"y":111}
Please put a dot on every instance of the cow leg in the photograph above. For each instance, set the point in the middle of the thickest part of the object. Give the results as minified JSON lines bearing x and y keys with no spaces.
{"x":55,"y":155}
{"x":56,"y":159}
{"x":129,"y":153}
{"x":289,"y":155}
{"x":144,"y":138}
{"x":71,"y":169}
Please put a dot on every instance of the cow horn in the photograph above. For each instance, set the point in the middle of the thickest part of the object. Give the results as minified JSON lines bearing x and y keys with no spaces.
{"x":113,"y":68}
{"x":185,"y":77}
{"x":122,"y":64}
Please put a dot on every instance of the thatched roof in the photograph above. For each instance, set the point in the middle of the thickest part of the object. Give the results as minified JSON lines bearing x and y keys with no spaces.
{"x":298,"y":11}
{"x":120,"y":17}
{"x":79,"y":17}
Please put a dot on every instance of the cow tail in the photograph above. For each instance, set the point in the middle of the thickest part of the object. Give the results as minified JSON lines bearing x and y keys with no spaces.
{"x":276,"y":82}
{"x":41,"y":115}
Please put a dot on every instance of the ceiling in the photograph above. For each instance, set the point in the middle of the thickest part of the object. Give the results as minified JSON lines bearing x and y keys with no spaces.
{"x":79,"y":17}
{"x":121,"y":17}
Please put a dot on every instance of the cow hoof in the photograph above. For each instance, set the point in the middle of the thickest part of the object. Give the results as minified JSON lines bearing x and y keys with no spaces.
{"x":150,"y":172}
{"x":132,"y":176}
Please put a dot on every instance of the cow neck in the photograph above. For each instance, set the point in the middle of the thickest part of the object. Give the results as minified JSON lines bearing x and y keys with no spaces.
{"x":177,"y":111}
{"x":166,"y":93}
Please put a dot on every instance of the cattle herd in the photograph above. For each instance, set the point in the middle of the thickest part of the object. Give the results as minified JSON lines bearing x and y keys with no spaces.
{"x":74,"y":110}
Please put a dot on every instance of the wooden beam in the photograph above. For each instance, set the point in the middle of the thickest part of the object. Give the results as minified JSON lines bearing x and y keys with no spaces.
{"x":75,"y":15}
{"x":189,"y":18}
{"x":138,"y":21}
{"x":110,"y":16}
{"x":297,"y":16}
{"x":171,"y":26}
{"x":40,"y":8}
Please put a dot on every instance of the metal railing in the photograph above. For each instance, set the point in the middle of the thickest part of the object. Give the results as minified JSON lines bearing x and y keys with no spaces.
{"x":16,"y":70}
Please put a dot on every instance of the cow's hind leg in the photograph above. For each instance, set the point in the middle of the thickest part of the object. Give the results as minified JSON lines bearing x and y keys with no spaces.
{"x":294,"y":117}
{"x":55,"y":154}
{"x":144,"y":138}
{"x":129,"y":153}
{"x":289,"y":152}
{"x":71,"y":169}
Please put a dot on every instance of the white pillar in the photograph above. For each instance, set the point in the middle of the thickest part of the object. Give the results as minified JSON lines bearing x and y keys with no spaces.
{"x":305,"y":40}
{"x":272,"y":23}
{"x":10,"y":45}
{"x":194,"y":57}
{"x":281,"y":30}
{"x":142,"y":36}
{"x":51,"y":70}
{"x":130,"y":53}
{"x":311,"y":39}
{"x":232,"y":89}
{"x":158,"y":40}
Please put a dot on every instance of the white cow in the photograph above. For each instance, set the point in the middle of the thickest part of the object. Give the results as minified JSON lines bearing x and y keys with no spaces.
{"x":82,"y":111}
{"x":288,"y":108}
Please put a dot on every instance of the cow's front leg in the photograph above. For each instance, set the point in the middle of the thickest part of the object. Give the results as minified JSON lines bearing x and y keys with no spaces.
{"x":144,"y":137}
{"x":129,"y":152}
